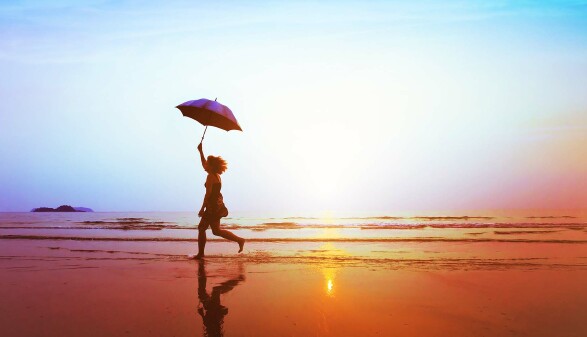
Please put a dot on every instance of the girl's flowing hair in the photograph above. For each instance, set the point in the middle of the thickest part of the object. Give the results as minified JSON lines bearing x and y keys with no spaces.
{"x":216,"y":165}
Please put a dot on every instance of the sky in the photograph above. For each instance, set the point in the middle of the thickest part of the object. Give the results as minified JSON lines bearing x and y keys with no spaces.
{"x":347,"y":107}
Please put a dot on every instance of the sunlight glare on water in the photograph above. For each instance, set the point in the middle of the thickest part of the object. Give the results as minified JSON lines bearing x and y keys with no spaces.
{"x":329,"y":276}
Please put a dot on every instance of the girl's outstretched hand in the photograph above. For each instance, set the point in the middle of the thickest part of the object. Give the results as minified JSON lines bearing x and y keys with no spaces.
{"x":200,"y":147}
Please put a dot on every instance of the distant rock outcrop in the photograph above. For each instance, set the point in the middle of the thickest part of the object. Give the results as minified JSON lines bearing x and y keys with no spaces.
{"x":43,"y":209}
{"x":62,"y":208}
{"x":83,"y":209}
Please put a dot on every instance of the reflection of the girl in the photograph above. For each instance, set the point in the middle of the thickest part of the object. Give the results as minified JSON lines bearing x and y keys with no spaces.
{"x":210,"y":308}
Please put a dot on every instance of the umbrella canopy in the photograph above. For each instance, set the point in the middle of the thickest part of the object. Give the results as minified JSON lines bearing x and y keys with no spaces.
{"x":210,"y":113}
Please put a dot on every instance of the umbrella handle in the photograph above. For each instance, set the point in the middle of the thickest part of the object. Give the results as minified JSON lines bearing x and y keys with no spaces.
{"x":204,"y":134}
{"x":209,"y":117}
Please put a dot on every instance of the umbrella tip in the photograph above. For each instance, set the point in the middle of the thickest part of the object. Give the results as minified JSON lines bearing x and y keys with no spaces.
{"x":215,"y":99}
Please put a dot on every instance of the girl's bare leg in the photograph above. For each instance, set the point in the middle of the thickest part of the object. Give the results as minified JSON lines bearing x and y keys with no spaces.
{"x":228,"y":235}
{"x":201,"y":243}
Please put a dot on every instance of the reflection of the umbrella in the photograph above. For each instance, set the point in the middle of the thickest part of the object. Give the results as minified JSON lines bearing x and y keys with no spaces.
{"x":211,"y":310}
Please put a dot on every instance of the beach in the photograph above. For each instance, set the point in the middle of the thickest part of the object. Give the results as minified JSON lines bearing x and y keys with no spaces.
{"x":378,"y":168}
{"x":129,"y":274}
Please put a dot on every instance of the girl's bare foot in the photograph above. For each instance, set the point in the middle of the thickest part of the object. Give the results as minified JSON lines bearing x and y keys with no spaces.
{"x":196,"y":257}
{"x":241,"y":245}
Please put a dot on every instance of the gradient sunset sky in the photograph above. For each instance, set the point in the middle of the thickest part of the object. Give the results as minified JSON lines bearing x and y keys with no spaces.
{"x":347,"y":107}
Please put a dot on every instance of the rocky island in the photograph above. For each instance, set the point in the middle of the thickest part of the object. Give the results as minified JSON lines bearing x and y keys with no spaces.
{"x":62,"y":208}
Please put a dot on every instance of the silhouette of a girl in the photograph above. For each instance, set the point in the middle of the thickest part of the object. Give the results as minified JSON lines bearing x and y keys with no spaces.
{"x":213,"y":207}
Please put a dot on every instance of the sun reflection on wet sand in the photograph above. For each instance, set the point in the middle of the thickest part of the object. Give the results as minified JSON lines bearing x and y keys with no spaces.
{"x":329,"y":276}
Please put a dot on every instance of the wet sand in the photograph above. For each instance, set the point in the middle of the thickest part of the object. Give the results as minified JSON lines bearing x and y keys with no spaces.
{"x":425,"y":288}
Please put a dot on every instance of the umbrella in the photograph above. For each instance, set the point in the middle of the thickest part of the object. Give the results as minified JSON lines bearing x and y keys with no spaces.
{"x":210,"y":113}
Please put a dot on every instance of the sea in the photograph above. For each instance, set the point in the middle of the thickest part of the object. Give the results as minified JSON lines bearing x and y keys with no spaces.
{"x":182,"y":226}
{"x":384,"y":239}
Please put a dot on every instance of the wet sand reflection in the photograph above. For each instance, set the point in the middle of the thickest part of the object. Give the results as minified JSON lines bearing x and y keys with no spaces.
{"x":209,"y":306}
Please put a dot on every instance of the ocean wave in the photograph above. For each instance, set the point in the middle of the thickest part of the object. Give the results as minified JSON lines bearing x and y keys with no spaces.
{"x":578,"y":225}
{"x":403,"y":226}
{"x":288,"y":240}
{"x":552,"y":217}
{"x":159,"y":225}
{"x":127,"y":224}
{"x":525,"y":232}
{"x":394,"y":217}
{"x":424,"y":218}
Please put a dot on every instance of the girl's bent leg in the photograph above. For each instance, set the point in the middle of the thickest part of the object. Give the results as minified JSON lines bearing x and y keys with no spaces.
{"x":228,"y":235}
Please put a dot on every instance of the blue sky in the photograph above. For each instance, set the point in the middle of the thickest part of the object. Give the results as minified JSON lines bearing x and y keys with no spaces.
{"x":346,"y":107}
